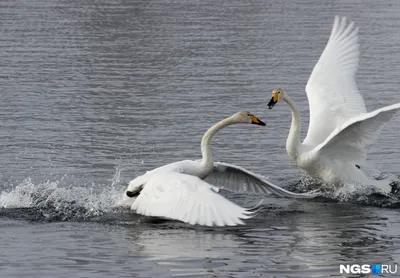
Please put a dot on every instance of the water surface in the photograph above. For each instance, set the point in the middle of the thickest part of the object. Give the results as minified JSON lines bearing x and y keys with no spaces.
{"x":95,"y":92}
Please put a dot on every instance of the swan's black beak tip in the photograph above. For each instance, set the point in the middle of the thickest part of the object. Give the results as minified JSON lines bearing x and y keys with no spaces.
{"x":134,"y":193}
{"x":259,"y":122}
{"x":271,"y":103}
{"x":256,"y":121}
{"x":130,"y":194}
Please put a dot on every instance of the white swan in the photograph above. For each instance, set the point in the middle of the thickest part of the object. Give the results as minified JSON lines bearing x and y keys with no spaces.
{"x":178,"y":191}
{"x":340,"y":127}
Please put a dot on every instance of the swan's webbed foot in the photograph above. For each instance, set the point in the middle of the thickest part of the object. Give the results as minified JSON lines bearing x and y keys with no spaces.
{"x":395,"y":187}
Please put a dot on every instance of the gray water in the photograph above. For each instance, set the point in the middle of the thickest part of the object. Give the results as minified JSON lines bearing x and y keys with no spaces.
{"x":92,"y":93}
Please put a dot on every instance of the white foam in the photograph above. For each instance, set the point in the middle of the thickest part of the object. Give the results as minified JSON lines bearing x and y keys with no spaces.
{"x":55,"y":198}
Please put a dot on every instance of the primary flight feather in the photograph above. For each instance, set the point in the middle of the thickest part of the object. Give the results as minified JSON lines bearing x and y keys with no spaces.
{"x":340,"y":128}
{"x":188,"y":190}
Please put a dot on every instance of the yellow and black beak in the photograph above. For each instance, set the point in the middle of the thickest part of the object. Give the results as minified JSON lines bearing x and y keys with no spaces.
{"x":273,"y":100}
{"x":256,"y":121}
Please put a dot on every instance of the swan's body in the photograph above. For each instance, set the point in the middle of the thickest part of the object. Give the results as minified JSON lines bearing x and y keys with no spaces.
{"x":181,"y":191}
{"x":340,"y":127}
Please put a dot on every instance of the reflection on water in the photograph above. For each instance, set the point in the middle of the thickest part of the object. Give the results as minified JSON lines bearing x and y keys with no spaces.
{"x":285,"y":239}
{"x":91,"y":86}
{"x":300,"y":240}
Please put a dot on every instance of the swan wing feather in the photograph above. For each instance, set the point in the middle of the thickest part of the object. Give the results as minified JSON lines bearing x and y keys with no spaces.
{"x":332,"y":91}
{"x":349,"y":141}
{"x":237,"y":179}
{"x":189,"y":199}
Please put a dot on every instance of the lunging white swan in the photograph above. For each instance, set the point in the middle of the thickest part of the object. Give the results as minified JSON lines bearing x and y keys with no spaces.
{"x":340,"y":127}
{"x":182,"y":190}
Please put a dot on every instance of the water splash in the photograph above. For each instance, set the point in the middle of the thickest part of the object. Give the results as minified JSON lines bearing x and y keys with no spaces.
{"x":57,"y":201}
{"x":352,"y":192}
{"x":53,"y":201}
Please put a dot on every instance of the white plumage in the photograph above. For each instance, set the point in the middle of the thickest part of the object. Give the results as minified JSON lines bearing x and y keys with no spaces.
{"x":188,"y":190}
{"x":189,"y":199}
{"x":332,"y":91}
{"x":340,"y":127}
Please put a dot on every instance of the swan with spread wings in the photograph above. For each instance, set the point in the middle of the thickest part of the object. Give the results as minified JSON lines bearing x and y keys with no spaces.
{"x":188,"y":190}
{"x":340,"y":128}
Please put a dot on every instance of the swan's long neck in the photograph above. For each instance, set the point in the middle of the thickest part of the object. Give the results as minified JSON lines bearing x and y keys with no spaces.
{"x":207,"y":160}
{"x":293,"y":140}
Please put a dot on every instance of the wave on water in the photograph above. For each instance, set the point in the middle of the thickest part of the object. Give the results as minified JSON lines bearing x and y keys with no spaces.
{"x":54,"y":201}
{"x":352,"y":192}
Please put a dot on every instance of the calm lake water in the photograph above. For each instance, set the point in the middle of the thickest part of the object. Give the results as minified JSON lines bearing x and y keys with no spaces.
{"x":94,"y":92}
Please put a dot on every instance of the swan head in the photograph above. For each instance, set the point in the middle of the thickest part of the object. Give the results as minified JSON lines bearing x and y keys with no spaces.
{"x":277,"y":94}
{"x":134,"y":187}
{"x":246,"y":118}
{"x":130,"y":194}
{"x":133,"y":190}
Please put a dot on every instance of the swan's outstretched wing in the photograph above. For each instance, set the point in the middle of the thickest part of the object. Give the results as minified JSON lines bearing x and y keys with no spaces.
{"x":238,"y":179}
{"x":188,"y":199}
{"x":348,"y":143}
{"x":332,"y":91}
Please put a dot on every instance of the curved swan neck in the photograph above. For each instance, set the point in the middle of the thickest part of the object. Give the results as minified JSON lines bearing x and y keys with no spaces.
{"x":207,"y":160}
{"x":293,"y":139}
